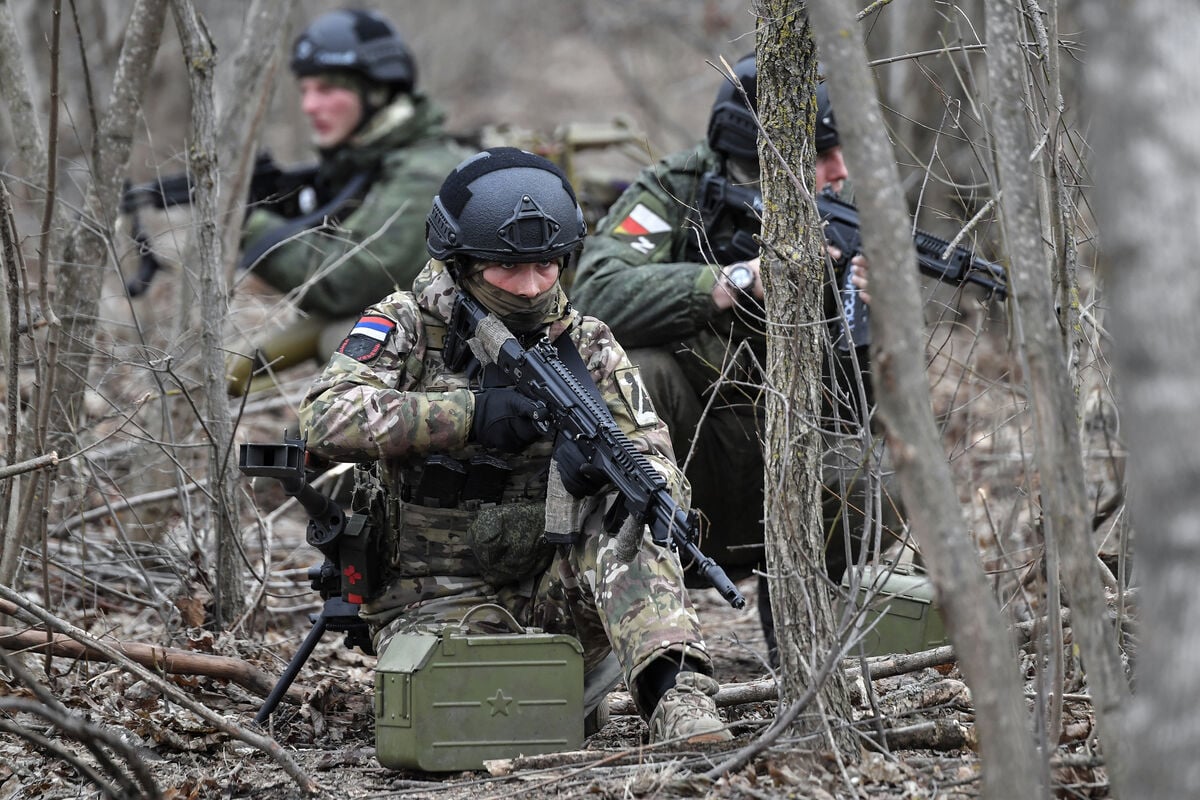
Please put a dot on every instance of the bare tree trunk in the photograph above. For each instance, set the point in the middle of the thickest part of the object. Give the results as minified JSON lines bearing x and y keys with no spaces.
{"x":15,"y":90}
{"x":1059,"y":455}
{"x":200,"y":57}
{"x":981,"y":637}
{"x":81,"y":267}
{"x":793,"y":273}
{"x":254,"y":69}
{"x":1142,"y":82}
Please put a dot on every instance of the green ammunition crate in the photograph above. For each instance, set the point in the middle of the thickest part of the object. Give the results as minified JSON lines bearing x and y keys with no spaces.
{"x":900,"y":608}
{"x":450,"y":701}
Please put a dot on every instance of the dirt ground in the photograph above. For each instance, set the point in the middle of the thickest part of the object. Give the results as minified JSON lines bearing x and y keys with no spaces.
{"x":330,"y":736}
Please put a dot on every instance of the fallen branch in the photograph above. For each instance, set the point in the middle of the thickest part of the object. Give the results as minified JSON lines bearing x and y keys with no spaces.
{"x":902,"y":663}
{"x":731,"y":694}
{"x":170,"y":660}
{"x":767,"y":689}
{"x":940,"y":734}
{"x":179,"y":697}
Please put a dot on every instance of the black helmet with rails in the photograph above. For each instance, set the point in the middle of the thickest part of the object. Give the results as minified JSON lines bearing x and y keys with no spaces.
{"x":732,"y":131}
{"x":827,"y":132}
{"x":506,"y":205}
{"x":350,"y":40}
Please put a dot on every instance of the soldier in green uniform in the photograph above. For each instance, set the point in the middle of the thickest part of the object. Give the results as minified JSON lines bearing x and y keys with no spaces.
{"x":358,"y":233}
{"x":668,"y":275}
{"x":455,"y":470}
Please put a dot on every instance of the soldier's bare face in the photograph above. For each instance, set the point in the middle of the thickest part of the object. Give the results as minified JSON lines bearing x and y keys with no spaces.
{"x":523,"y":280}
{"x":831,"y":169}
{"x":333,"y":111}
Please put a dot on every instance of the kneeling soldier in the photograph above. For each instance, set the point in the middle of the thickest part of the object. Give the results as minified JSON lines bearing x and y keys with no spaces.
{"x":455,"y":466}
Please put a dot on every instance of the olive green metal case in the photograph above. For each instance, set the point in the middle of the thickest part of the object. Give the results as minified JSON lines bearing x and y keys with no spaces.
{"x":450,"y":701}
{"x":900,"y":612}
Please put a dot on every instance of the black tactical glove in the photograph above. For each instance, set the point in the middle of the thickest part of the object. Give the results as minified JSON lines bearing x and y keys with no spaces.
{"x":579,"y":477}
{"x":504,"y":420}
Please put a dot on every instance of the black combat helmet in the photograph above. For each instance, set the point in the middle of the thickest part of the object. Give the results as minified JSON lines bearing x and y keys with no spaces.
{"x":363,"y":42}
{"x":732,"y":131}
{"x":827,"y":134}
{"x":505,"y":205}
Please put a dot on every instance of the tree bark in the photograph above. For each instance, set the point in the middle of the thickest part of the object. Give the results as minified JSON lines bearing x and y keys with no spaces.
{"x":15,"y":90}
{"x":980,"y":634}
{"x":200,"y":57}
{"x":1058,"y":454}
{"x":1142,"y":82}
{"x":255,"y":66}
{"x":793,"y":268}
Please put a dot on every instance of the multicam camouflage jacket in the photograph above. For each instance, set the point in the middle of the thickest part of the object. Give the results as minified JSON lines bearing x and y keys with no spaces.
{"x":388,"y":397}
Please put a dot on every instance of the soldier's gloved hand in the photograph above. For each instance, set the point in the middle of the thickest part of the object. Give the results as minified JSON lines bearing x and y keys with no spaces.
{"x":579,"y":477}
{"x":504,"y":420}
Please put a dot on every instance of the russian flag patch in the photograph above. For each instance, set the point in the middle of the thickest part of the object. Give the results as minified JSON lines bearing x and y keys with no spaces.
{"x":367,"y":338}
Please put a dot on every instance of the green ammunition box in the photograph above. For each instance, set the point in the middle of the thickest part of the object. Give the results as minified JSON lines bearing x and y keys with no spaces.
{"x":900,"y":611}
{"x":450,"y":701}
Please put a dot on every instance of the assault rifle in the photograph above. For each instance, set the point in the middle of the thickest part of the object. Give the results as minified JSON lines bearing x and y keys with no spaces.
{"x":288,"y":192}
{"x":350,"y":573}
{"x":722,"y":200}
{"x":572,"y":406}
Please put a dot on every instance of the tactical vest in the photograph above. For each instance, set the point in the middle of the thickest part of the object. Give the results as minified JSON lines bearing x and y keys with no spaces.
{"x":427,"y":508}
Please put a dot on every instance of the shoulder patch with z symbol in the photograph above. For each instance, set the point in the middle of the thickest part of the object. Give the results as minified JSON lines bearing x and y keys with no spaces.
{"x":635,"y":397}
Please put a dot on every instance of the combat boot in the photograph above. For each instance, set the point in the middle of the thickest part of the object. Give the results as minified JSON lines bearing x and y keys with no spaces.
{"x":687,"y":712}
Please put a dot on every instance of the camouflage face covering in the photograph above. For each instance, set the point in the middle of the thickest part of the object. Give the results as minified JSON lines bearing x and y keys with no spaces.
{"x":507,"y":542}
{"x":518,"y":313}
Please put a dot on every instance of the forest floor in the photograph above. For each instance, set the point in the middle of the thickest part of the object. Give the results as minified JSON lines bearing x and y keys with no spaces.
{"x":329,"y":737}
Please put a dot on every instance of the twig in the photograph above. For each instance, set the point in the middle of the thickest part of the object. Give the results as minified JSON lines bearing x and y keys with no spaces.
{"x":62,"y":753}
{"x":48,"y":460}
{"x":91,"y":736}
{"x":268,"y":746}
{"x":111,"y":508}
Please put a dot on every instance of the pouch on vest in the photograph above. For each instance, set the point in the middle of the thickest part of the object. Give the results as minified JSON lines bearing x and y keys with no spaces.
{"x":487,"y":476}
{"x":507,"y":542}
{"x":441,"y":484}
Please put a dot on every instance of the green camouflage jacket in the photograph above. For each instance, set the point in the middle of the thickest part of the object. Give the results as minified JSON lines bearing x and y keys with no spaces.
{"x":409,"y":155}
{"x":644,"y":274}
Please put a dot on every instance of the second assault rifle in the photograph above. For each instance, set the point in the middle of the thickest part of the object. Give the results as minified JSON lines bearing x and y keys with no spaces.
{"x":722,"y":201}
{"x":350,"y":573}
{"x":572,"y":407}
{"x":288,"y":192}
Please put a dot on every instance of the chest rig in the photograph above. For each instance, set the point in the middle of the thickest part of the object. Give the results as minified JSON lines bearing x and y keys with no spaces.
{"x":430,"y":508}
